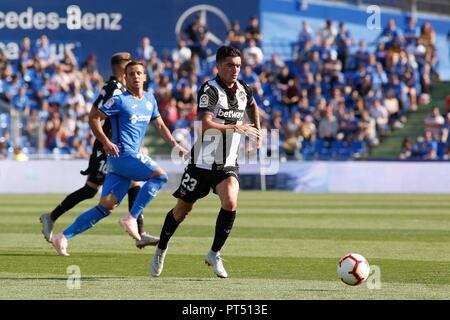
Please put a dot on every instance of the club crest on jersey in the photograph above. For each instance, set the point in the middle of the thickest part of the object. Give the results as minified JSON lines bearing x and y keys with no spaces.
{"x":204,"y":99}
{"x":148,"y":105}
{"x":242,"y":95}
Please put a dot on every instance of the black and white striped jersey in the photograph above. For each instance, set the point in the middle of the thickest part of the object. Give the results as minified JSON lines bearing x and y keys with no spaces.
{"x":212,"y":148}
{"x":112,"y":87}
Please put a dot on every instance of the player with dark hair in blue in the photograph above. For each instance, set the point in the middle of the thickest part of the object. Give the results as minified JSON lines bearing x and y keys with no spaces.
{"x":130,"y":114}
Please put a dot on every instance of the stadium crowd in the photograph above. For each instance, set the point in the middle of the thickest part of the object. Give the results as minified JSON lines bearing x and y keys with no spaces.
{"x":334,"y":99}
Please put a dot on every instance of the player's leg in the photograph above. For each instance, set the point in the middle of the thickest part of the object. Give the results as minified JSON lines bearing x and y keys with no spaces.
{"x":114,"y":190}
{"x":88,"y":191}
{"x":227,"y":191}
{"x":135,"y":187}
{"x":146,"y":238}
{"x":142,"y":168}
{"x":96,"y":173}
{"x":173,"y":219}
{"x":194,"y":185}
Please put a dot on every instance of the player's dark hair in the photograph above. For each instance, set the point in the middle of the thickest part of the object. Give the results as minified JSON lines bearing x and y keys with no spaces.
{"x":134,"y":63}
{"x":120,"y":57}
{"x":227,"y":51}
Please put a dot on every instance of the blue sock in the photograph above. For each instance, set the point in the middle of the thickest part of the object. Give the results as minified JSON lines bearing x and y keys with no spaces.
{"x":86,"y":220}
{"x":148,"y":191}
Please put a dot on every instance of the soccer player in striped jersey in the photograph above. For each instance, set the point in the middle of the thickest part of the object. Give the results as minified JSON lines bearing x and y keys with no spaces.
{"x":222,"y":105}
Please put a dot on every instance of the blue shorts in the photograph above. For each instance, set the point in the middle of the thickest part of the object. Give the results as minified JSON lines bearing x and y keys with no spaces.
{"x":125,"y":168}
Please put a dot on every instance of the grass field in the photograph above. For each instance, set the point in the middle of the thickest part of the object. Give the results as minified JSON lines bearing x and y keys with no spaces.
{"x":283,"y":246}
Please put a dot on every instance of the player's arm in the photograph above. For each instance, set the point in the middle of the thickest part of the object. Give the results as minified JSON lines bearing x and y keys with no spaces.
{"x":252,"y":110}
{"x":164,"y":132}
{"x":207,"y":100}
{"x":247,"y":129}
{"x":95,"y":116}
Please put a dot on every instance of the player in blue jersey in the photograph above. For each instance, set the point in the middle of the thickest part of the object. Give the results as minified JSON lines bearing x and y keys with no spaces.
{"x":129,"y":114}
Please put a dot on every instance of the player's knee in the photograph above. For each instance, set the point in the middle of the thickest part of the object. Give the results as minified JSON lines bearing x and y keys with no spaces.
{"x":108,"y":203}
{"x":155,"y":184}
{"x":163,"y":178}
{"x":229,"y":204}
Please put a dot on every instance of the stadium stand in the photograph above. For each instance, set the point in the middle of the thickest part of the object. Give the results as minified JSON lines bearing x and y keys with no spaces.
{"x":334,"y":99}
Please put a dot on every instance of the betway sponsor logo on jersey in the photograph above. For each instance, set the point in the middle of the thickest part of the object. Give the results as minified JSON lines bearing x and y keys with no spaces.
{"x":135,"y":118}
{"x":228,"y":114}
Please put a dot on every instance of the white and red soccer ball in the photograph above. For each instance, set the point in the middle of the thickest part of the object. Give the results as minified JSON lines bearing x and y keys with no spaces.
{"x":353,"y":269}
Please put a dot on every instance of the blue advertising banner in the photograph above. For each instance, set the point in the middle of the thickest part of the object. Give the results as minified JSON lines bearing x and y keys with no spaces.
{"x":103,"y":27}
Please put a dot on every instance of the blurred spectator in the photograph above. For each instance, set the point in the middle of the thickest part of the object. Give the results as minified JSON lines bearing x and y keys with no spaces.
{"x":61,"y":79}
{"x":411,"y":33}
{"x":427,"y":36}
{"x":305,"y":36}
{"x":369,"y":129}
{"x":21,"y":102}
{"x":145,"y":49}
{"x":381,"y":116}
{"x":53,"y":131}
{"x":253,"y":32}
{"x":154,"y":67}
{"x":434,"y":122}
{"x":3,"y":150}
{"x":182,"y":53}
{"x":327,"y":33}
{"x":26,"y":55}
{"x":235,"y":38}
{"x":291,"y":96}
{"x":328,"y":126}
{"x":393,"y":109}
{"x":76,"y":144}
{"x":308,"y":130}
{"x":19,"y":155}
{"x":292,"y":127}
{"x":274,"y":65}
{"x":196,"y":35}
{"x":362,"y":54}
{"x":253,"y":55}
{"x":43,"y":52}
{"x":390,"y":35}
{"x":431,"y":146}
{"x":344,"y":41}
{"x":407,"y":149}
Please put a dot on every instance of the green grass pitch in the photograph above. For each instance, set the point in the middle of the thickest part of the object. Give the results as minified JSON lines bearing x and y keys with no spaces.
{"x":283,"y":246}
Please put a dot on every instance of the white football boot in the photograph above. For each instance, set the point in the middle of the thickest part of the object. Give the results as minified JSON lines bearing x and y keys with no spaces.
{"x":214,"y":259}
{"x":158,"y":262}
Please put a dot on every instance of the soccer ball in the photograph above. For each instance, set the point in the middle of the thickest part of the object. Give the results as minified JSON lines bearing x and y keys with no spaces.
{"x":353,"y":269}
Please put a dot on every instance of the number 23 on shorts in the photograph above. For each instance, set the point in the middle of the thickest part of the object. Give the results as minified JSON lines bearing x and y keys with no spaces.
{"x":188,"y":182}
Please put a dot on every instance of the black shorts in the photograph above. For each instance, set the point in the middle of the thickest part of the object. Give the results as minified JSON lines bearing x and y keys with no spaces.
{"x":97,"y":168}
{"x":196,"y":182}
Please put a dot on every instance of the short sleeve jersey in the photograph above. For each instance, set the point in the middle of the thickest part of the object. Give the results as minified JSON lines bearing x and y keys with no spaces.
{"x":129,"y":118}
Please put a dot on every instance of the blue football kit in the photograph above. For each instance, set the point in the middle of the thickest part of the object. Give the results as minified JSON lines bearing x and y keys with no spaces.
{"x":129,"y":118}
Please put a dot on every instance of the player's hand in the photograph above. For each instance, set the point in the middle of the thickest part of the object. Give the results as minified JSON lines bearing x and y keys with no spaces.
{"x":258,"y":143}
{"x":248,"y":130}
{"x":111,"y":149}
{"x":182,"y":151}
